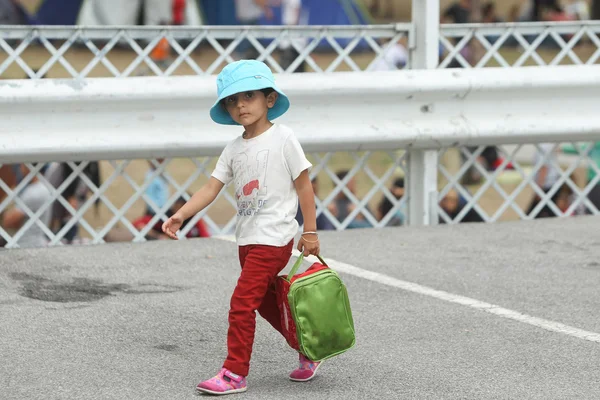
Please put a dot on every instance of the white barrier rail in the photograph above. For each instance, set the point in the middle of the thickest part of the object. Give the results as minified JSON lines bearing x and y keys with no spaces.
{"x":394,"y":113}
{"x":111,"y":119}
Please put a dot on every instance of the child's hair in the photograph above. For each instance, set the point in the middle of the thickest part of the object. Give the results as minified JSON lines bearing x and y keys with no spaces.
{"x":266,"y":92}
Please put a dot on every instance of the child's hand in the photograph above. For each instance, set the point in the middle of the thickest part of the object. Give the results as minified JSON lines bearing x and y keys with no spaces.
{"x":172,"y":225}
{"x":309,"y":244}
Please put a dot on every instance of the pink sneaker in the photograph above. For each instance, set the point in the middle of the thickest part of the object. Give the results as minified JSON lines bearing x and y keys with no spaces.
{"x":306,"y":371}
{"x":226,"y":382}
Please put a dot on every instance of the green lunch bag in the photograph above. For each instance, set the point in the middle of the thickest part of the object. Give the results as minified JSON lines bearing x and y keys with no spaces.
{"x":315,"y":311}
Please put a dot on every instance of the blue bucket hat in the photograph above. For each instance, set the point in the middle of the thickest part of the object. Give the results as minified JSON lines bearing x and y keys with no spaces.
{"x":244,"y":76}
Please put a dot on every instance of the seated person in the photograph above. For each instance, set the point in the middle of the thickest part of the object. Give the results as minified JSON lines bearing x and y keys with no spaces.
{"x":323,"y":223}
{"x":453,"y":204}
{"x":34,"y":196}
{"x":342,"y":207}
{"x":385,"y":206}
{"x":199,"y":230}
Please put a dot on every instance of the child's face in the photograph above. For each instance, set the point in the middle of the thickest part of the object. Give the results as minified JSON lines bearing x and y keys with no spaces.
{"x":247,"y":108}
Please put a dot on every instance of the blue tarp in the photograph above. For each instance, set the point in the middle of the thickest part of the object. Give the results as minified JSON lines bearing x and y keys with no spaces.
{"x":321,"y":12}
{"x":222,"y":12}
{"x":58,"y":12}
{"x":219,"y":12}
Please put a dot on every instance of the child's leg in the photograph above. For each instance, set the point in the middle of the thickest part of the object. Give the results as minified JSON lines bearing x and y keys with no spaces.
{"x":261,"y":264}
{"x":269,"y":309}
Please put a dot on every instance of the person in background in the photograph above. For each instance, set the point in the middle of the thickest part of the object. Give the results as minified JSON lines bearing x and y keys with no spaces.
{"x":249,"y":12}
{"x":578,"y":10}
{"x":323,"y":223}
{"x":293,"y":13}
{"x":546,"y":177}
{"x":549,"y":10}
{"x":8,"y":176}
{"x":489,"y":14}
{"x":13,"y":13}
{"x":75,"y":194}
{"x":200,"y":230}
{"x":564,"y":199}
{"x":343,"y":206}
{"x":382,"y":8}
{"x":594,"y":155}
{"x":34,"y":196}
{"x":158,"y":190}
{"x":489,"y":159}
{"x":385,"y":206}
{"x":453,"y":204}
{"x":459,"y":13}
{"x":178,"y":11}
{"x":394,"y":57}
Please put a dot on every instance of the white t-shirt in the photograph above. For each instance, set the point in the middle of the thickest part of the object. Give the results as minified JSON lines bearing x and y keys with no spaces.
{"x":34,"y":196}
{"x":263,"y":170}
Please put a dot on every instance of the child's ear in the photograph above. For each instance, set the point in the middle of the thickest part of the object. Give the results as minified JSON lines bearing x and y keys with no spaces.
{"x":272,"y":99}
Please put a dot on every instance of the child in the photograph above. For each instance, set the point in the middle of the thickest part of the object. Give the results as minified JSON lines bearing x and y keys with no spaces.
{"x":270,"y":172}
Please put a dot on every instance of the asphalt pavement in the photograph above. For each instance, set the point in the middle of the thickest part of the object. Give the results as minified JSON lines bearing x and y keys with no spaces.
{"x":149,"y":320}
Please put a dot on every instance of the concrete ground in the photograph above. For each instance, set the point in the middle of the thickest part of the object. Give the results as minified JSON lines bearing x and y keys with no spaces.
{"x":148,"y":321}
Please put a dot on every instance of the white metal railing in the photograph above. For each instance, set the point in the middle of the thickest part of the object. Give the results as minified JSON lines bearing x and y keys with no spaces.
{"x":507,"y":193}
{"x":520,"y":44}
{"x":194,"y":51}
{"x":119,"y":119}
{"x":431,"y":110}
{"x":127,"y":52}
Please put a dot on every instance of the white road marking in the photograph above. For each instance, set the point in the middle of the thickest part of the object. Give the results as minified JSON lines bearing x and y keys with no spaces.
{"x":454,"y":298}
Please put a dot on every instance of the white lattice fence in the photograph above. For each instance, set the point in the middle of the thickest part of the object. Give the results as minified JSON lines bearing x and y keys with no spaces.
{"x":79,"y":52}
{"x":506,"y":190}
{"x":519,"y":44}
{"x":503,"y":194}
{"x":123,"y":196}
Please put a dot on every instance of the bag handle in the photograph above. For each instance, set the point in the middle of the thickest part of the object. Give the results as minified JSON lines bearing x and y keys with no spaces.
{"x":299,"y":262}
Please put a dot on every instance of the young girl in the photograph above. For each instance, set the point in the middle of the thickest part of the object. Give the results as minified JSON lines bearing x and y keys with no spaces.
{"x":270,"y":172}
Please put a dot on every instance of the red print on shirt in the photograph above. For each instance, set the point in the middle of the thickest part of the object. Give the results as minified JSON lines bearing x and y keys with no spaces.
{"x":249,"y":187}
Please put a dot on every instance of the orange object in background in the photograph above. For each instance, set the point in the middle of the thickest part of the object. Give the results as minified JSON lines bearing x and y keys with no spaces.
{"x":162,"y":50}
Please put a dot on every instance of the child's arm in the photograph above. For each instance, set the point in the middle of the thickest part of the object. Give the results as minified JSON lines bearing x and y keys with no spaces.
{"x":309,"y":242}
{"x":199,"y":201}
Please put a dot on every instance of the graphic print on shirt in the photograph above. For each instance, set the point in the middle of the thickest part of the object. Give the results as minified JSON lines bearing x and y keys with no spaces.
{"x":250,"y":182}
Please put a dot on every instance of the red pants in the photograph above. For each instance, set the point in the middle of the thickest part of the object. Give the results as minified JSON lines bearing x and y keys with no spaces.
{"x":255,"y":291}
